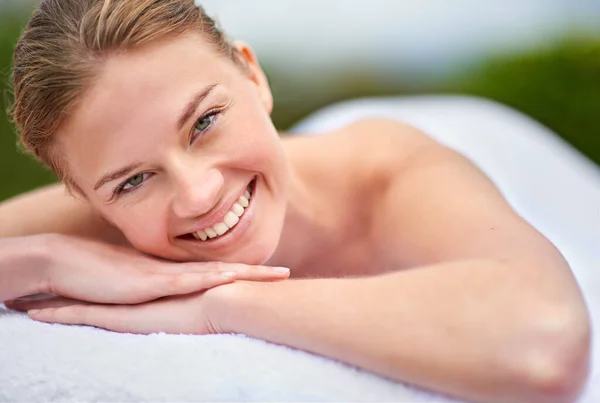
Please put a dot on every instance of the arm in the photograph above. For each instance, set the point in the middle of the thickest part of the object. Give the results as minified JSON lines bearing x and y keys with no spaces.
{"x":52,"y":209}
{"x":21,"y":264}
{"x":490,"y":310}
{"x":90,"y":271}
{"x":472,"y":343}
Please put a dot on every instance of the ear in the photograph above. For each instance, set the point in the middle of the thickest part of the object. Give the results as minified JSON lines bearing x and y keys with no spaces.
{"x":255,"y":73}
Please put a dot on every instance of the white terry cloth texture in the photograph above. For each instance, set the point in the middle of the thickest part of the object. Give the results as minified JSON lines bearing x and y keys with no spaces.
{"x":550,"y":184}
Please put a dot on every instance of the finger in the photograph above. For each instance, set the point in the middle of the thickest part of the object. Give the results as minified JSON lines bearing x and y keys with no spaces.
{"x":176,"y":268}
{"x":264,"y":273}
{"x":197,"y":267}
{"x":24,"y":305}
{"x":163,"y":285}
{"x":35,"y":297}
{"x":245,"y":272}
{"x":141,"y":319}
{"x":97,"y":315}
{"x":27,"y":298}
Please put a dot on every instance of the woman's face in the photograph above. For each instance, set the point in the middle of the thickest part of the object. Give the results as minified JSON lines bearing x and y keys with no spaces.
{"x":167,"y":142}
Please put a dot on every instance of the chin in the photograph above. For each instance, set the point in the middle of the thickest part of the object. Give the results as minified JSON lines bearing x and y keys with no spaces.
{"x":257,"y":252}
{"x":253,"y":240}
{"x":257,"y":249}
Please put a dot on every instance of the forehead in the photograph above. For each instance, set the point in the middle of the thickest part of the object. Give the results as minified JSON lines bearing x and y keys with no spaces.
{"x":162,"y":68}
{"x":138,"y":93}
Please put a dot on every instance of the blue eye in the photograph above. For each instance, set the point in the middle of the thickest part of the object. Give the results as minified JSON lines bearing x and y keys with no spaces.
{"x":132,"y":183}
{"x":203,"y":124}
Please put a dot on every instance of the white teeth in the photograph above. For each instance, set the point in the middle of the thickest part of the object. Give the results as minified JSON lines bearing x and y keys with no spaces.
{"x":231,"y":219}
{"x":243,"y":200}
{"x":201,"y":235}
{"x":221,"y":228}
{"x":237,"y":209}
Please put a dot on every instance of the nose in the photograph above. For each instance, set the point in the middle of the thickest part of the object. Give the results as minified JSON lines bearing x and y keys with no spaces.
{"x":196,"y":191}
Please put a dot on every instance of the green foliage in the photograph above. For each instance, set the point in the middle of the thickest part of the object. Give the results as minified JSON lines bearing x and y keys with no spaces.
{"x":18,"y":172}
{"x":295,"y":99}
{"x":558,"y":86}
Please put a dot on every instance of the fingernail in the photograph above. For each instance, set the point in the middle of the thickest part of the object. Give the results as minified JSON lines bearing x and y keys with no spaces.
{"x":281,"y":269}
{"x":33,"y":311}
{"x":229,"y":274}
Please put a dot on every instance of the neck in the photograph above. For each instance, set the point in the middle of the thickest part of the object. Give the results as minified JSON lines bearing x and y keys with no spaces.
{"x":302,"y":235}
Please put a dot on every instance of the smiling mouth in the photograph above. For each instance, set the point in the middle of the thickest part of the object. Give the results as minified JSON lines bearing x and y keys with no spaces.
{"x":230,"y":220}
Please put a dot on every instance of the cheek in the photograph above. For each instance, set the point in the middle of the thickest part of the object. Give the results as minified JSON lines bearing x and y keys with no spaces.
{"x":256,"y":137}
{"x":260,"y":155}
{"x":144,"y":227}
{"x":259,"y":146}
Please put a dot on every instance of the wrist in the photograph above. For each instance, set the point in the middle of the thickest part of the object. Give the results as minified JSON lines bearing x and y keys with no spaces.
{"x":226,"y":304}
{"x":24,"y":264}
{"x":42,"y":252}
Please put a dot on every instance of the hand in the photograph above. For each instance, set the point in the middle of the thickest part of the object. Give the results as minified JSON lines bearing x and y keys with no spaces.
{"x":90,"y":271}
{"x":177,"y":314}
{"x":184,"y":314}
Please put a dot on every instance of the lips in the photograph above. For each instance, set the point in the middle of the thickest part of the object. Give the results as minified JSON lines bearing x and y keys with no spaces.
{"x":230,"y":220}
{"x":227,"y":222}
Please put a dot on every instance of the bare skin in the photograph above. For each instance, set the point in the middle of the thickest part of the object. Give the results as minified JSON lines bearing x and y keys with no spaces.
{"x":406,"y":260}
{"x":334,"y":243}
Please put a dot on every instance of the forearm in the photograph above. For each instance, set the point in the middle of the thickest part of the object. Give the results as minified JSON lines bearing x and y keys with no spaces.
{"x":469,"y":331}
{"x":52,"y":210}
{"x":22,"y":264}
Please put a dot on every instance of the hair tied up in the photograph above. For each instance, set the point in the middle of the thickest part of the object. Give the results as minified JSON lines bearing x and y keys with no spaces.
{"x":65,"y":45}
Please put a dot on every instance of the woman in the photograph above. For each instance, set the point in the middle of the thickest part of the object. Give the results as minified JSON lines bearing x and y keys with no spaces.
{"x":406,"y":260}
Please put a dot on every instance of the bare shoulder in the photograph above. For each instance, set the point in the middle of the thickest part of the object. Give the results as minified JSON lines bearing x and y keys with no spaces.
{"x":382,"y":140}
{"x":366,"y":156}
{"x":400,"y":152}
{"x":436,"y":205}
{"x":367,"y":147}
{"x":420,"y":202}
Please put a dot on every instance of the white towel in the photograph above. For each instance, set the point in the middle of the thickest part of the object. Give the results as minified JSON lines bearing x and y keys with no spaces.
{"x":555,"y":188}
{"x":42,"y":362}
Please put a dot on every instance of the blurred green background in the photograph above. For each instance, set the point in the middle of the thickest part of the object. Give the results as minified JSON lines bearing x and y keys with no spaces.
{"x":555,"y":81}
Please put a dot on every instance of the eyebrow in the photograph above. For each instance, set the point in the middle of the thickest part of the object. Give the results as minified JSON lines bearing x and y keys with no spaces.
{"x":188,"y":112}
{"x":109,"y":177}
{"x":193,"y":105}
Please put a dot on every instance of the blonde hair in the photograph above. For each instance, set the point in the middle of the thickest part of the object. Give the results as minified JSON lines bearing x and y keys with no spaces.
{"x":64,"y":46}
